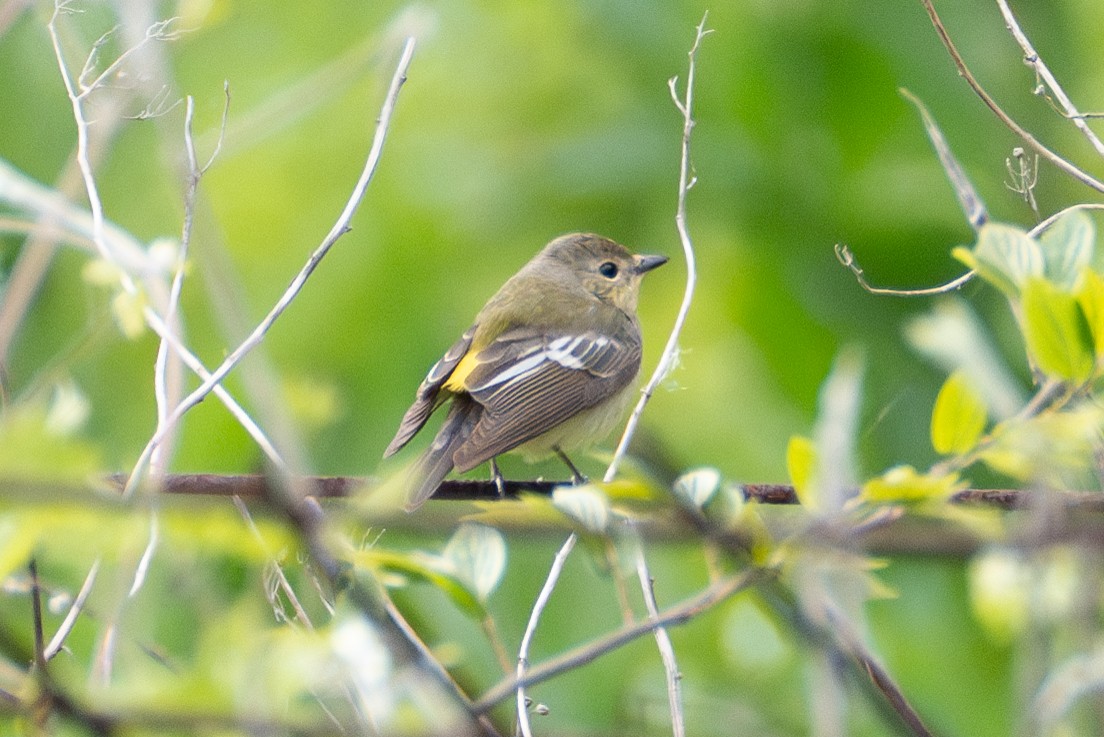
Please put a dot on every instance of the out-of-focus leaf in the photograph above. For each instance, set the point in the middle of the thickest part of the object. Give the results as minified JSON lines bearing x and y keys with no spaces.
{"x":1068,"y":248}
{"x":698,"y":486}
{"x":1005,"y":256}
{"x":905,"y":484}
{"x":425,"y":568}
{"x":31,"y":450}
{"x":801,"y":462}
{"x":1052,"y":445}
{"x":958,"y":417}
{"x":586,"y":505}
{"x":478,"y":556}
{"x":1056,"y":332}
{"x":18,"y":537}
{"x":999,"y":593}
{"x":1090,"y":298}
{"x":127,"y":309}
{"x":953,"y":337}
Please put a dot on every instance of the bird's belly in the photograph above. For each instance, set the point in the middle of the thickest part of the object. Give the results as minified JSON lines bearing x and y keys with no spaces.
{"x":580,"y":430}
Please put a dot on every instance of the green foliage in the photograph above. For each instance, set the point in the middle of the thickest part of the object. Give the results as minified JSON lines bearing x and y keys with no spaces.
{"x":518,"y":123}
{"x":958,"y":417}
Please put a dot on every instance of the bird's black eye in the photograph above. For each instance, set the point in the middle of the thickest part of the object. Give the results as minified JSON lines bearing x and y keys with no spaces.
{"x":608,"y":270}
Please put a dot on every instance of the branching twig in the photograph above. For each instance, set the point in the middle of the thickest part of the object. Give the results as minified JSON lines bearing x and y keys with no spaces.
{"x":530,"y":628}
{"x":675,"y":615}
{"x":669,"y":356}
{"x":1011,"y":124}
{"x":1042,"y":73}
{"x":340,"y":227}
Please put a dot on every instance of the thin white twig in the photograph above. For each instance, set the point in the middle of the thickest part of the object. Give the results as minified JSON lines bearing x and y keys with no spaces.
{"x":58,"y":640}
{"x":1033,"y":60}
{"x":534,"y":617}
{"x":142,"y":568}
{"x":663,"y":642}
{"x":340,"y":227}
{"x":669,"y":356}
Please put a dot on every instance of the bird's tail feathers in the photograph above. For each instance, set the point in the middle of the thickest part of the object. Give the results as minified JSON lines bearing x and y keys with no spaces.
{"x":436,"y":462}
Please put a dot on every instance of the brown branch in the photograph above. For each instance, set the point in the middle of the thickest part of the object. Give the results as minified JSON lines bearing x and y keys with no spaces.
{"x":254,"y":487}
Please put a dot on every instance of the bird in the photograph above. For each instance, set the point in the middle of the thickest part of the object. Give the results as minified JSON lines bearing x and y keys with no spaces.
{"x":548,"y":365}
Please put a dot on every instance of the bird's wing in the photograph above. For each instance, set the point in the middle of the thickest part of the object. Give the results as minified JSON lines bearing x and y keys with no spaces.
{"x":427,"y":397}
{"x":529,"y":382}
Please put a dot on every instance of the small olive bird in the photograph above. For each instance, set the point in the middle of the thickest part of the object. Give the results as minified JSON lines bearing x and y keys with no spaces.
{"x":549,"y":365}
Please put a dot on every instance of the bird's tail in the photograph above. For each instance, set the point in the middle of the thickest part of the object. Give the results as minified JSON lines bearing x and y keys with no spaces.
{"x":430,"y":470}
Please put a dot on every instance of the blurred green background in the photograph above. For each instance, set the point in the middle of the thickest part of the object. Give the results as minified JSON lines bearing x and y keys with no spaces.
{"x":522,"y":121}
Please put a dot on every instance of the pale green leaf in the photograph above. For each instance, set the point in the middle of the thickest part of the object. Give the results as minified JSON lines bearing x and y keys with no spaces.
{"x":905,"y":484}
{"x":1007,"y":257}
{"x":698,"y":486}
{"x":586,"y":505}
{"x":1056,"y":332}
{"x":1067,"y":247}
{"x":958,"y":417}
{"x":426,"y":568}
{"x":478,"y":557}
{"x":128,"y":310}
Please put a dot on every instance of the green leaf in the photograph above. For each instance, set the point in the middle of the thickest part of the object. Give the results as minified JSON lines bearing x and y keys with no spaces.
{"x":801,"y":462}
{"x":698,"y":486}
{"x":1007,"y":257}
{"x":904,"y":484}
{"x":958,"y":417}
{"x":587,"y":505}
{"x":1056,"y":332}
{"x":478,"y":556}
{"x":1090,"y":298}
{"x":1067,"y":247}
{"x":422,"y":567}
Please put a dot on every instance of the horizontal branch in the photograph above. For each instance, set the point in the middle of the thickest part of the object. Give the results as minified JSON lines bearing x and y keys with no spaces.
{"x":253,"y":486}
{"x":1079,"y":516}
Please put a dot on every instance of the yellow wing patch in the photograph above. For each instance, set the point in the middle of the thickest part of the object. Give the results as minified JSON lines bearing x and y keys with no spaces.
{"x":457,"y":380}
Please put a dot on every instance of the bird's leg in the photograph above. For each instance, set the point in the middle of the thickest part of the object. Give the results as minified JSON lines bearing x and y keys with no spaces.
{"x":576,"y":478}
{"x":499,"y":482}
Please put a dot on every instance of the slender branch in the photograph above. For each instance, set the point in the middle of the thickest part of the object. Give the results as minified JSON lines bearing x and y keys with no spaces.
{"x":1011,"y":124}
{"x":58,"y":640}
{"x":847,"y":259}
{"x":673,"y":616}
{"x":1042,"y":72}
{"x":340,"y":227}
{"x":534,"y":617}
{"x":668,"y":358}
{"x":663,"y":642}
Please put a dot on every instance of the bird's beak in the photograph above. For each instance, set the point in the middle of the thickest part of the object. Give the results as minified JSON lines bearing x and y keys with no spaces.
{"x":647,"y":263}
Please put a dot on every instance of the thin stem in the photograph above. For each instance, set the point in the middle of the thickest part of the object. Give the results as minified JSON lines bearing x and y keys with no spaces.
{"x":668,"y":358}
{"x":534,"y":617}
{"x":340,"y":227}
{"x":1033,"y":60}
{"x":1012,"y":125}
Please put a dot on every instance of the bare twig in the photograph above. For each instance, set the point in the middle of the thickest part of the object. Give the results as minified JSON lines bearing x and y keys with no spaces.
{"x":663,"y":642}
{"x":58,"y":640}
{"x":669,"y":357}
{"x":675,"y":615}
{"x":534,"y":617}
{"x":1011,"y":124}
{"x":1046,"y":79}
{"x":847,"y":258}
{"x":340,"y":227}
